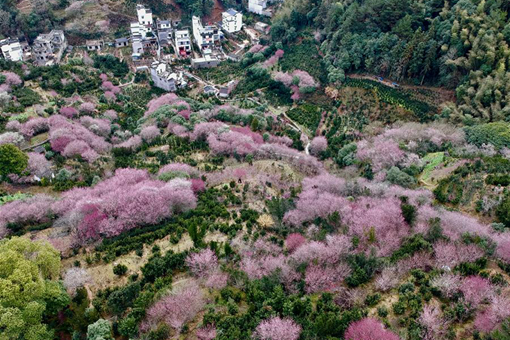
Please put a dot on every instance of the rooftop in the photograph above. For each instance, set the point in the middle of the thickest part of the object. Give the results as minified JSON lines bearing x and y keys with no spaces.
{"x":232,"y":11}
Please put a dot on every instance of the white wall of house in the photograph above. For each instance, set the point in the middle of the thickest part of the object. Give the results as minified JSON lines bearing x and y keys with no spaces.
{"x":144,"y":15}
{"x":11,"y":50}
{"x":232,"y":21}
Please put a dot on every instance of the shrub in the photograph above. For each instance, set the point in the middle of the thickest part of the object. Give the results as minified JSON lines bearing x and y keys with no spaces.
{"x":100,"y":330}
{"x":397,"y":176}
{"x":503,"y":211}
{"x":120,"y":269}
{"x":363,"y":268}
{"x":12,"y":160}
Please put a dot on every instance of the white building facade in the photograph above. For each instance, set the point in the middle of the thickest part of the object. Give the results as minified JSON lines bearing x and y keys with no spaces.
{"x":206,"y":37}
{"x":11,"y":49}
{"x":164,"y":78}
{"x":183,"y":42}
{"x":232,"y":21}
{"x":258,"y":7}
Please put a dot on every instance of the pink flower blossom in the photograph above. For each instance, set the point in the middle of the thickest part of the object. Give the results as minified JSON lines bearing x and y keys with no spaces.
{"x":11,"y":78}
{"x":318,"y":145}
{"x":125,"y":201}
{"x":294,"y":241}
{"x":87,"y":108}
{"x":149,"y":133}
{"x":178,"y":308}
{"x":475,"y":290}
{"x":276,"y":328}
{"x":206,"y":333}
{"x":68,"y":112}
{"x":435,"y":326}
{"x":132,"y":143}
{"x":369,"y":329}
{"x":203,"y":263}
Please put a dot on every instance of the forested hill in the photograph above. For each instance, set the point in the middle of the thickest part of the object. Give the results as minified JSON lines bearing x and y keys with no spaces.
{"x":456,"y":44}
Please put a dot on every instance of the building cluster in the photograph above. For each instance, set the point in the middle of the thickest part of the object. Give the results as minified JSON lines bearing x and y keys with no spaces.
{"x":47,"y":48}
{"x":147,"y":34}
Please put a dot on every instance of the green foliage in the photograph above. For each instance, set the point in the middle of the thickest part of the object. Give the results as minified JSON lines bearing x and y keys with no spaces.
{"x":12,"y":160}
{"x":503,"y":211}
{"x":410,"y":246}
{"x":120,"y":269}
{"x":123,"y":298}
{"x":279,"y":206}
{"x":503,"y":332}
{"x":498,"y":180}
{"x":26,"y":96}
{"x":363,"y":269}
{"x":346,"y":155}
{"x":30,"y":292}
{"x":109,"y":63}
{"x":303,"y":56}
{"x":472,"y":268}
{"x":397,"y":176}
{"x":100,"y":330}
{"x":159,"y":266}
{"x":393,"y":96}
{"x":449,"y":190}
{"x":258,"y":78}
{"x":14,"y":197}
{"x":308,"y":115}
{"x":497,"y":134}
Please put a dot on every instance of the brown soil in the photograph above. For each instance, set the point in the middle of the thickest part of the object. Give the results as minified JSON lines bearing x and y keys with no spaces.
{"x":215,"y":15}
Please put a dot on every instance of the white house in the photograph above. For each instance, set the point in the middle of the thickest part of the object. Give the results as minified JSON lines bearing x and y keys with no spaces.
{"x":142,"y":35}
{"x":164,"y":31}
{"x":258,"y":7}
{"x":205,"y":62}
{"x":232,"y":21}
{"x":206,"y":37}
{"x":144,"y":17}
{"x":164,"y":78}
{"x":183,"y":42}
{"x":121,"y":42}
{"x":11,"y":49}
{"x":94,"y":45}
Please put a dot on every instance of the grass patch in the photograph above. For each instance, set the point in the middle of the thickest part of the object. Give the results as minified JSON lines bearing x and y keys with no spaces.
{"x":433,"y":160}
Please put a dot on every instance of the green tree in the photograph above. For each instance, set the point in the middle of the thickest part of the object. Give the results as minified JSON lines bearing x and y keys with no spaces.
{"x":29,"y":289}
{"x":100,"y":330}
{"x":12,"y":160}
{"x":503,"y":211}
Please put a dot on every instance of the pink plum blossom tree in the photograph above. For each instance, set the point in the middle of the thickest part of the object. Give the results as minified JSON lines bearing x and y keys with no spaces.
{"x":149,"y":133}
{"x":177,"y":308}
{"x":369,"y":329}
{"x":276,"y":328}
{"x":318,"y":145}
{"x":203,"y":263}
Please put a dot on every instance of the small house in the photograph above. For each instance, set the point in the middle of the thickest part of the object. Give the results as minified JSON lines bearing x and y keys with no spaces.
{"x":205,"y":62}
{"x":94,"y":45}
{"x":121,"y":42}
